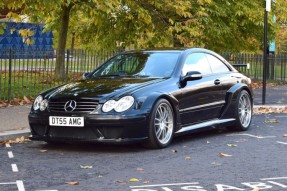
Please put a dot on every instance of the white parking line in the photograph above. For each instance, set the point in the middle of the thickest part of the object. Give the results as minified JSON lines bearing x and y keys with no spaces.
{"x":274,"y":178}
{"x":282,"y":142}
{"x":14,"y":168}
{"x":7,"y":145}
{"x":6,"y":183}
{"x":160,"y":185}
{"x":254,"y":136}
{"x":20,"y":185}
{"x":10,"y":154}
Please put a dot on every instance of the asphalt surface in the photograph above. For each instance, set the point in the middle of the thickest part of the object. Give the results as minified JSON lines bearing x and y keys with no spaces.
{"x":216,"y":160}
{"x":14,"y":120}
{"x":274,"y":95}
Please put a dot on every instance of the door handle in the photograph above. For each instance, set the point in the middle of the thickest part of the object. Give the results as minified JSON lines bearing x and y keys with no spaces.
{"x":217,"y":82}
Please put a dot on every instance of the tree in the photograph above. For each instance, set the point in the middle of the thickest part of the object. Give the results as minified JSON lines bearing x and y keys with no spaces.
{"x":279,"y":10}
{"x":55,"y":14}
{"x":221,"y":25}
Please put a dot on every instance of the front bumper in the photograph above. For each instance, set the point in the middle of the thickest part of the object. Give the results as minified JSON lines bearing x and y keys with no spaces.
{"x":98,"y":128}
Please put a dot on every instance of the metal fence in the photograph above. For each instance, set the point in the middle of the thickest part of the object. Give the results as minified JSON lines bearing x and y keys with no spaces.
{"x":29,"y":74}
{"x":276,"y":70}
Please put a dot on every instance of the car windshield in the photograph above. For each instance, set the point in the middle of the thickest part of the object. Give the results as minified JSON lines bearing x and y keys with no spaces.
{"x":142,"y":64}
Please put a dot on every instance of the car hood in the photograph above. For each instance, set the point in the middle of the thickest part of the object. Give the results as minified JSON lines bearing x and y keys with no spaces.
{"x":100,"y":88}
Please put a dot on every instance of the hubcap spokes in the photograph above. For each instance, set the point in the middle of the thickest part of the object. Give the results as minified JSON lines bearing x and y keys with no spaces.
{"x":163,"y":123}
{"x":245,"y":110}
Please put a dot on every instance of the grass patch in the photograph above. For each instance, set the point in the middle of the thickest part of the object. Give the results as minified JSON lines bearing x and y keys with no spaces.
{"x":29,"y":83}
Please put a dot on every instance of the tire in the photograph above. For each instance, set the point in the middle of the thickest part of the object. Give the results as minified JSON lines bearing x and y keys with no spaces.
{"x":161,"y":125}
{"x":243,"y":112}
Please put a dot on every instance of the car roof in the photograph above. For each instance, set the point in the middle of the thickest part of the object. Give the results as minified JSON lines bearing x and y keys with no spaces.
{"x":171,"y":49}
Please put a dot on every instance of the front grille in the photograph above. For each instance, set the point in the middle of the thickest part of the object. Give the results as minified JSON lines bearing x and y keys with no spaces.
{"x":83,"y":106}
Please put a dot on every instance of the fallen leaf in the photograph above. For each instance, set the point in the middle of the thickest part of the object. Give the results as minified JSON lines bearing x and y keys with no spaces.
{"x":15,"y":101}
{"x":269,"y":109}
{"x":134,"y":180}
{"x":207,"y":142}
{"x":174,"y":150}
{"x":145,"y":182}
{"x":120,"y":182}
{"x":27,"y":100}
{"x":224,"y":155}
{"x":73,"y":183}
{"x":285,"y":135}
{"x":256,"y":189}
{"x":187,"y":158}
{"x":3,"y":105}
{"x":231,"y":145}
{"x":86,"y":167}
{"x":272,"y":121}
{"x":140,"y":169}
{"x":42,"y":151}
{"x":17,"y":140}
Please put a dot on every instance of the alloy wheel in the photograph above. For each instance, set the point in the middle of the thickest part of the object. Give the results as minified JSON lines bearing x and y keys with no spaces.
{"x":163,"y":123}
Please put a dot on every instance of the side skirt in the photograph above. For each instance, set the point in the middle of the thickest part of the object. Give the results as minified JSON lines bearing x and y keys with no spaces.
{"x":204,"y":124}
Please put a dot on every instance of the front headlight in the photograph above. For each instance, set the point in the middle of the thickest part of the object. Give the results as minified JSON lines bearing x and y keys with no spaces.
{"x":124,"y":104}
{"x":109,"y":105}
{"x":37,"y":102}
{"x":43,"y":105}
{"x":119,"y":106}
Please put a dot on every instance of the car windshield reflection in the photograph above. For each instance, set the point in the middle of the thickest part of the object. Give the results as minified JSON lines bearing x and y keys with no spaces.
{"x":139,"y":65}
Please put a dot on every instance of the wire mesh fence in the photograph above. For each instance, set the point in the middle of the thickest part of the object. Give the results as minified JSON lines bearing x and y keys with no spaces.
{"x":24,"y":73}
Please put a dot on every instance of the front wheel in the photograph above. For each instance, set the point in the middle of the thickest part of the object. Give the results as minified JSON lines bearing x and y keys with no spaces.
{"x":161,"y":125}
{"x":243,"y":112}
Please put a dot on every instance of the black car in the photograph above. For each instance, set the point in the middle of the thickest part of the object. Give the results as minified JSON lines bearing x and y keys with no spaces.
{"x":149,"y":96}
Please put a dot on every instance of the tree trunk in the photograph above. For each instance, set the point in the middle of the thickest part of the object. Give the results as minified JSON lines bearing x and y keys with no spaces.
{"x":62,"y":39}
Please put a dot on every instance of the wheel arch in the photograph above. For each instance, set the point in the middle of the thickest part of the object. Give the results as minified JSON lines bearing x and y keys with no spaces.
{"x":231,"y":97}
{"x":150,"y":102}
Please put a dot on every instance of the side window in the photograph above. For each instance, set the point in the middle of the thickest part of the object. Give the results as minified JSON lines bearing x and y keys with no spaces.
{"x":196,"y":62}
{"x":217,"y":66}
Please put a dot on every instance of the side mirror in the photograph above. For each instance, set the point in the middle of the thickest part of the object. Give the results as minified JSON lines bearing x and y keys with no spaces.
{"x":190,"y":76}
{"x":85,"y":75}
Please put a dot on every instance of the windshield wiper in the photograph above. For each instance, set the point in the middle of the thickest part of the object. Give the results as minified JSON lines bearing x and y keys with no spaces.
{"x":141,"y":76}
{"x":116,"y":74}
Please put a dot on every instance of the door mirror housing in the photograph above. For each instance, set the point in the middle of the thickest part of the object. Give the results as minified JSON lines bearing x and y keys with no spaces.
{"x":190,"y":76}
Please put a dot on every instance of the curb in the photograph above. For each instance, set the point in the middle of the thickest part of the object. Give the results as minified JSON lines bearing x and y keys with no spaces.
{"x":10,"y":135}
{"x":270,"y":106}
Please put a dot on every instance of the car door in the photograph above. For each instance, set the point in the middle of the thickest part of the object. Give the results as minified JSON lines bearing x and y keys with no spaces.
{"x":222,"y":75}
{"x":199,"y":97}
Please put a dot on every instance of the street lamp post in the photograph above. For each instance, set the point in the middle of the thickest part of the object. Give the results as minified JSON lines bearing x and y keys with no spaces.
{"x":265,"y":49}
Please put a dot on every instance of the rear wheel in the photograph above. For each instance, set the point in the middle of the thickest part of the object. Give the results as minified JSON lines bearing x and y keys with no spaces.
{"x":243,"y":112}
{"x":161,"y":125}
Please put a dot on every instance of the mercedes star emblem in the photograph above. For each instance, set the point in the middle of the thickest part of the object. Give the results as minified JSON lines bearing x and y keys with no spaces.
{"x":70,"y":106}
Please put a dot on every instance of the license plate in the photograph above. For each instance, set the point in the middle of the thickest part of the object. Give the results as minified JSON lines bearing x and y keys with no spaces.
{"x":66,"y":121}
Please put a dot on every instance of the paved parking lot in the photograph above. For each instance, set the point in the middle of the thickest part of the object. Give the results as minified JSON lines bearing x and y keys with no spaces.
{"x":211,"y":160}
